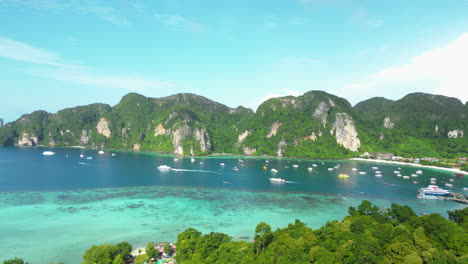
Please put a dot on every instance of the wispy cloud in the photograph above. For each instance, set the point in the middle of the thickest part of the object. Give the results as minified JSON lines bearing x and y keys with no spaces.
{"x":100,"y":9}
{"x":21,"y":51}
{"x":440,"y":71}
{"x":180,"y":23}
{"x":297,"y":20}
{"x":47,"y":64}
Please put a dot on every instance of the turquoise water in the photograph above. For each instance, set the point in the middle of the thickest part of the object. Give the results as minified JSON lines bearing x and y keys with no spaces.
{"x":53,"y":208}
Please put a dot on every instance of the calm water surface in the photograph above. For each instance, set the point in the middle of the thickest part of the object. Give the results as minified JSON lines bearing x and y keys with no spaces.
{"x":52,"y":208}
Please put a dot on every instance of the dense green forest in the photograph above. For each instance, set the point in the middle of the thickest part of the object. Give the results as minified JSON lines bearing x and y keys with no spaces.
{"x":367,"y":235}
{"x":315,"y":125}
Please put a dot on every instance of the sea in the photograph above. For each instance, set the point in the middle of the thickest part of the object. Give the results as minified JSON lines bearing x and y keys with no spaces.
{"x":53,"y":208}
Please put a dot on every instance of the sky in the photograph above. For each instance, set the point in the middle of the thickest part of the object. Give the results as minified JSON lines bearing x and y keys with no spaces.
{"x":58,"y":54}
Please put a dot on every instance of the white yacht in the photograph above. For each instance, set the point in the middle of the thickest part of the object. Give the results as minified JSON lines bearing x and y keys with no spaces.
{"x":48,"y":153}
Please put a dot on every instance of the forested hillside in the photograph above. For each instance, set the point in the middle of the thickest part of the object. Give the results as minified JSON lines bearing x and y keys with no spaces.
{"x":316,"y":124}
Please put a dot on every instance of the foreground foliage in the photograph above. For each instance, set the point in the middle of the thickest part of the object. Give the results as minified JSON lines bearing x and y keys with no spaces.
{"x":367,"y":235}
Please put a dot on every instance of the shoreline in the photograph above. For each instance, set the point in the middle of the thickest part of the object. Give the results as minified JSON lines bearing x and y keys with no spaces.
{"x":411,"y":164}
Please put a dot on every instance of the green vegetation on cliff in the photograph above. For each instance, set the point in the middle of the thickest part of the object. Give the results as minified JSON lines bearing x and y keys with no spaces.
{"x":316,"y":124}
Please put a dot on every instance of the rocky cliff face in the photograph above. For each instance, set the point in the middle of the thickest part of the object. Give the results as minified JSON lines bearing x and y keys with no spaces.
{"x":103,"y":128}
{"x":28,"y":139}
{"x":455,"y":133}
{"x":1,"y":123}
{"x":345,"y":132}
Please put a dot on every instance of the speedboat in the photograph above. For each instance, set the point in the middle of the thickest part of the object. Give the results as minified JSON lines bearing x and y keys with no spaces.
{"x":434,"y":190}
{"x":342,"y":175}
{"x":419,"y":172}
{"x":277,"y":180}
{"x":48,"y":153}
{"x":164,"y":168}
{"x":274,"y":170}
{"x":295,"y":166}
{"x":362,"y":173}
{"x":101,"y":152}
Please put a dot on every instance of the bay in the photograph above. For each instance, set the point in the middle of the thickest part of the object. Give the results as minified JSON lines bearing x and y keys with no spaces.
{"x":52,"y":208}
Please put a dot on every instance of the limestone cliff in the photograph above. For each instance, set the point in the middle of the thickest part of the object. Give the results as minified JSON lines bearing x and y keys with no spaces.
{"x":456,"y":133}
{"x":345,"y":132}
{"x":103,"y":128}
{"x":274,"y":129}
{"x":27,"y":139}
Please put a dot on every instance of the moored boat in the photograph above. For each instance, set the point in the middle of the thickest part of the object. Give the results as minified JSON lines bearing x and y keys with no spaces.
{"x":342,"y":175}
{"x":434,"y":190}
{"x":48,"y":153}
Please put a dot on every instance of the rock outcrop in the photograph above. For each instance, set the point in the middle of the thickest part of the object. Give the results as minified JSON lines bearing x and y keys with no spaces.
{"x":85,"y":136}
{"x":387,"y":123}
{"x":27,"y":139}
{"x":159,"y":130}
{"x":281,"y":147}
{"x":321,"y":112}
{"x":185,"y":131}
{"x":1,"y":123}
{"x":103,"y":128}
{"x":274,"y":129}
{"x":242,"y":136}
{"x":456,"y":133}
{"x":345,"y":132}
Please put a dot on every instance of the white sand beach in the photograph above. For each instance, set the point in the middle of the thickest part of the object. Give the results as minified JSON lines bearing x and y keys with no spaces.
{"x":411,"y":164}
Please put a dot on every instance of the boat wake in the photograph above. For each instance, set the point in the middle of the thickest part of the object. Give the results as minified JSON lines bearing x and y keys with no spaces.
{"x":204,"y":171}
{"x":83,"y":163}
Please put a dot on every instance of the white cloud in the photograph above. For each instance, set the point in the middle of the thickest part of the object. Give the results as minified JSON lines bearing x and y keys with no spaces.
{"x":50,"y":65}
{"x":439,"y":71}
{"x":179,"y":23}
{"x":21,"y":51}
{"x":97,"y":8}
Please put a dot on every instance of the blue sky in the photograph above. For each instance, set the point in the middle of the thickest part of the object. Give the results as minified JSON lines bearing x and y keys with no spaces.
{"x":57,"y":54}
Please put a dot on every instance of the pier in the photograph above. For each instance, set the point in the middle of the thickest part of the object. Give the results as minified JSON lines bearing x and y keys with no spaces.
{"x":457,"y":197}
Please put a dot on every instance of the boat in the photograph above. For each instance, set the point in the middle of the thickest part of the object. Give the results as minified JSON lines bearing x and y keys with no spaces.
{"x":378,"y":172}
{"x":310,"y":169}
{"x":434,"y":190}
{"x":448,"y":184}
{"x":277,"y":180}
{"x":342,"y":175}
{"x":330,"y":169}
{"x":100,"y":152}
{"x":458,"y":174}
{"x":419,"y":172}
{"x":176,"y":159}
{"x":314,"y":165}
{"x":274,"y":170}
{"x":465,"y":188}
{"x":406,"y":177}
{"x":425,"y":196}
{"x":192,"y":160}
{"x":295,"y":166}
{"x":398,"y":175}
{"x":362,"y":173}
{"x":414,"y":175}
{"x":396,"y":172}
{"x":354,"y":169}
{"x":378,"y":175}
{"x":113,"y":154}
{"x":235,"y":168}
{"x":221,"y":164}
{"x":375,"y":168}
{"x":48,"y":153}
{"x":89,"y":158}
{"x":81,"y":156}
{"x":164,"y":168}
